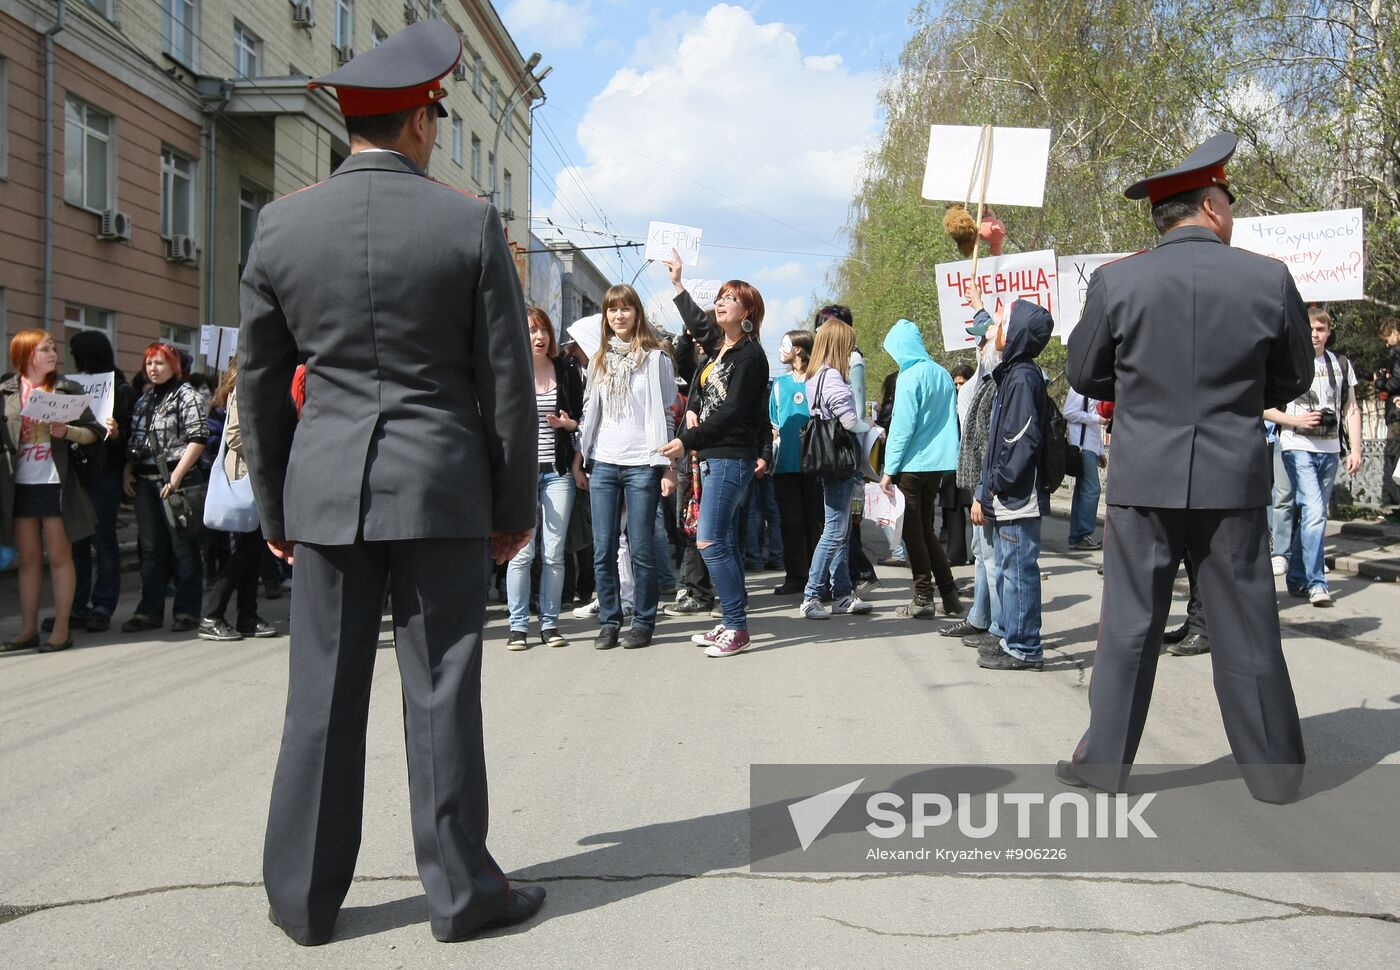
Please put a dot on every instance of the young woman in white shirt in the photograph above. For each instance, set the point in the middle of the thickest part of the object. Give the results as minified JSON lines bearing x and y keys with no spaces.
{"x":626,"y":422}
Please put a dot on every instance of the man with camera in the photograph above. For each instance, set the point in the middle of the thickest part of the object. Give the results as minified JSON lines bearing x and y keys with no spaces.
{"x":1309,"y":433}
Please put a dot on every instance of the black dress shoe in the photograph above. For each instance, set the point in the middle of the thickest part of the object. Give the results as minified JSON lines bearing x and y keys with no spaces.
{"x":1192,"y":646}
{"x":606,"y":638}
{"x":982,"y":639}
{"x":1002,"y":660}
{"x":635,"y":638}
{"x":98,"y":623}
{"x":1177,"y":635}
{"x":525,"y":902}
{"x":311,"y":939}
{"x":788,"y":589}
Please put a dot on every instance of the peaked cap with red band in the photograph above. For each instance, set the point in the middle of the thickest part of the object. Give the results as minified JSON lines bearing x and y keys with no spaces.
{"x":1202,"y":168}
{"x":404,"y":72}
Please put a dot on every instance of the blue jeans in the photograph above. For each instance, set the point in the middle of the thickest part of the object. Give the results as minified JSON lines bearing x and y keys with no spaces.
{"x":1084,"y":507}
{"x":723,"y":482}
{"x":100,"y":597}
{"x":1018,"y":586}
{"x":985,"y":612}
{"x":665,"y":574}
{"x":161,"y":550}
{"x":556,"y":502}
{"x":1282,"y":513}
{"x":608,"y":487}
{"x":829,"y":559}
{"x":1312,"y":475}
{"x":762,"y":512}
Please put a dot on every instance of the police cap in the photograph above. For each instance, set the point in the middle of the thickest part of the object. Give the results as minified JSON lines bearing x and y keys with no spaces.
{"x":404,"y":72}
{"x":1202,"y":168}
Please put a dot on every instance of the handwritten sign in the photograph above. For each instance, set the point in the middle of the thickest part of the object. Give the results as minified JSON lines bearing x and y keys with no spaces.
{"x":587,"y":333}
{"x":102,"y":389}
{"x":1074,"y":283}
{"x":1004,"y":280}
{"x":662,"y":237}
{"x":703,"y":292}
{"x":1324,"y":251}
{"x":55,"y":408}
{"x":1020,"y":156}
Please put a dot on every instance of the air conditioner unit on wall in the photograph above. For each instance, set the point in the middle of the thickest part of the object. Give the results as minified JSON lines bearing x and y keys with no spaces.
{"x":304,"y":14}
{"x":343,"y":55}
{"x":459,"y":73}
{"x":114,"y":225}
{"x":410,"y":12}
{"x":181,"y":249}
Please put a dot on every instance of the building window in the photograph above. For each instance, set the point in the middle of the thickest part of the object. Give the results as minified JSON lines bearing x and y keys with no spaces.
{"x":344,"y":24}
{"x":181,"y":338}
{"x":495,"y":99}
{"x":181,"y":28}
{"x":491,"y":170}
{"x":506,"y":195}
{"x":176,"y":194}
{"x":435,"y":9}
{"x":4,"y":121}
{"x":88,"y":156}
{"x":250,"y":203}
{"x":247,"y":52}
{"x":76,"y":317}
{"x":476,"y":159}
{"x":106,"y":8}
{"x":457,"y":138}
{"x":476,"y":74}
{"x":510,"y":124}
{"x":378,"y":34}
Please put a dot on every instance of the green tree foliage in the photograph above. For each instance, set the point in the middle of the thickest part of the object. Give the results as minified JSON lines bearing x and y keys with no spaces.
{"x":1128,"y":87}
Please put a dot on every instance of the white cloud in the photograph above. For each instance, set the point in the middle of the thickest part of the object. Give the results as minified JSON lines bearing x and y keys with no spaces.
{"x":734,"y":104}
{"x":555,"y":23}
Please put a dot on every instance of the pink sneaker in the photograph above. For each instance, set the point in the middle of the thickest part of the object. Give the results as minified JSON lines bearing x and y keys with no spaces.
{"x":708,"y":639}
{"x":728,"y":643}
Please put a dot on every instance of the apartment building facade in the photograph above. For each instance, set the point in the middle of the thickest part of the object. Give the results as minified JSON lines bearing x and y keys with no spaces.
{"x":172,"y":122}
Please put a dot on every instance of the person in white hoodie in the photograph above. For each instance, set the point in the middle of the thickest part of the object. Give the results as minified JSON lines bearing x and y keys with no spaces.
{"x":626,"y":422}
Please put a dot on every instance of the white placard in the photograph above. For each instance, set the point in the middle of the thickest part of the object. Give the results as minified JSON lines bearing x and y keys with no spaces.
{"x":587,"y":333}
{"x":220,"y":347}
{"x":662,"y":237}
{"x":1020,"y":157}
{"x":703,"y":292}
{"x":1004,"y":280}
{"x":1074,"y":283}
{"x":55,"y":408}
{"x":102,"y":389}
{"x":1324,"y":251}
{"x":207,"y":337}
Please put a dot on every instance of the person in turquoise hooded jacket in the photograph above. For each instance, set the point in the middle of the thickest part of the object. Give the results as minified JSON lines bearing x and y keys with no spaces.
{"x":921,"y":449}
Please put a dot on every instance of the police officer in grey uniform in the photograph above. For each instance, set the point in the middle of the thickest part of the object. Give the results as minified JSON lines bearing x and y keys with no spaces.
{"x":406,"y":471}
{"x":1192,"y":340}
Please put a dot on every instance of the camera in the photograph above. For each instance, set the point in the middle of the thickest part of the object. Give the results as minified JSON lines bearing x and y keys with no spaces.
{"x":1326,"y":426}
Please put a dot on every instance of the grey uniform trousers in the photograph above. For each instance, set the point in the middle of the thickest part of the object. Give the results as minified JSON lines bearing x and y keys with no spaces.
{"x":313,"y":831}
{"x":1142,"y":549}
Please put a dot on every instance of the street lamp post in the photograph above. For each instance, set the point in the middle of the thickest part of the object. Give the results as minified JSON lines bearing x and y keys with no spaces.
{"x":511,"y":101}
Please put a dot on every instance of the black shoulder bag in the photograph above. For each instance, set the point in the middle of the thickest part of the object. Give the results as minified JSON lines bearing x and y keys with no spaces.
{"x":184,"y":506}
{"x":827,"y":449}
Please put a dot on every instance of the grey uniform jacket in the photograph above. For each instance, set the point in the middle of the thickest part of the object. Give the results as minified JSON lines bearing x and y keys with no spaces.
{"x":1192,"y":340}
{"x":400,"y":296}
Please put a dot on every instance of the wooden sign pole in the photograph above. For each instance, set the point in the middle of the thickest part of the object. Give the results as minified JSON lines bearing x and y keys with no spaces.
{"x":986,"y":152}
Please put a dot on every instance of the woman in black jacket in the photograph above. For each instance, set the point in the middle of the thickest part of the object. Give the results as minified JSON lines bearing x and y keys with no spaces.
{"x":558,"y":405}
{"x":727,"y":423}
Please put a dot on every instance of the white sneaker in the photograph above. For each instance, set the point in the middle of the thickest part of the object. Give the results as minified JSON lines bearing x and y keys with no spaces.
{"x":584,"y":612}
{"x":851,"y":604}
{"x":1320,"y":597}
{"x":812,"y":609}
{"x":1280,"y":564}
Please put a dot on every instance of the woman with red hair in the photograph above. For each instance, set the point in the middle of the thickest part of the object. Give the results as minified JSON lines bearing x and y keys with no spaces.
{"x":42,"y":504}
{"x":168,"y":432}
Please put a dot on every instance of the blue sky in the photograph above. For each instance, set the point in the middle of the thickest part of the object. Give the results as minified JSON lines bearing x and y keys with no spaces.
{"x":749,"y":121}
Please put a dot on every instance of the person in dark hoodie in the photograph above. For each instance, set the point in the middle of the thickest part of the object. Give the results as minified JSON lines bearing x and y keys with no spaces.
{"x":94,"y":602}
{"x":1011,"y":493}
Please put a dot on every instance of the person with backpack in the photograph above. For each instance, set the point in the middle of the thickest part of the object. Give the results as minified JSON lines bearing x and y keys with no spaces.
{"x":1014,"y":490}
{"x":1309,"y":434}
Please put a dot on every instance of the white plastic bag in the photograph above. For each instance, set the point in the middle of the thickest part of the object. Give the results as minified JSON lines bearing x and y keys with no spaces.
{"x":229,"y":506}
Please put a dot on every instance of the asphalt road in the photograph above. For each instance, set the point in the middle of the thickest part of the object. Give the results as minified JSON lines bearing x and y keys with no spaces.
{"x":134,"y":778}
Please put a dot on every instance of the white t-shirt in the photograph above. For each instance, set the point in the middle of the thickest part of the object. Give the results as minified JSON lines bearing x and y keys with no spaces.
{"x":1322,"y":394}
{"x":35,"y":466}
{"x":623,"y":440}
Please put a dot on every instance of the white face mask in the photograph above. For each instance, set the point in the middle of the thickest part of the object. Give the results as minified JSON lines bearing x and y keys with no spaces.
{"x":989,"y":356}
{"x":785,"y":348}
